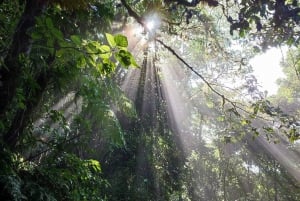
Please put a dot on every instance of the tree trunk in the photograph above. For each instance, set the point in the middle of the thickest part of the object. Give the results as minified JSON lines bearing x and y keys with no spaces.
{"x":11,"y":72}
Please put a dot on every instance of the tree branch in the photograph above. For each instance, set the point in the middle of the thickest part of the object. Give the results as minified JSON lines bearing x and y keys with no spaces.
{"x":192,"y":69}
{"x":132,"y":13}
{"x":235,"y":105}
{"x":140,"y":21}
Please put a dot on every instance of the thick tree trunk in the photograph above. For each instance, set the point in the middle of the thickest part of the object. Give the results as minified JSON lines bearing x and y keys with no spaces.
{"x":11,"y":72}
{"x":20,"y":45}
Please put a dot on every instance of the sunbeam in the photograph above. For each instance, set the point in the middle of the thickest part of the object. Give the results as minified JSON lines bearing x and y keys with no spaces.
{"x":167,"y":109}
{"x":150,"y":100}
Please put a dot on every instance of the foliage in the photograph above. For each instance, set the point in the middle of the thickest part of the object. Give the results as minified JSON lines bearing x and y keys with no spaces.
{"x":64,"y":178}
{"x":61,"y":69}
{"x":275,"y":21}
{"x":58,"y":52}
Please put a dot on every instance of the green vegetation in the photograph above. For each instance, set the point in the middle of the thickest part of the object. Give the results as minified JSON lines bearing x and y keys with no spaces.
{"x":96,"y":104}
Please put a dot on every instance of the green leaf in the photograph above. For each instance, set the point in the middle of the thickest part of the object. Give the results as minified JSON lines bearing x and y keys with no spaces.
{"x":91,"y":48}
{"x":81,"y":62}
{"x":242,"y":33}
{"x":133,"y":62}
{"x":108,"y":66}
{"x":104,"y":48}
{"x":99,"y":67}
{"x":36,"y":36}
{"x":110,"y":39}
{"x":245,"y":122}
{"x":91,"y":61}
{"x":60,"y":53}
{"x":50,"y":45}
{"x":105,"y":51}
{"x":95,"y":165}
{"x":76,"y":39}
{"x":49,"y":23}
{"x":221,"y":118}
{"x":125,"y":58}
{"x":126,"y":106}
{"x":121,"y":40}
{"x":57,"y":33}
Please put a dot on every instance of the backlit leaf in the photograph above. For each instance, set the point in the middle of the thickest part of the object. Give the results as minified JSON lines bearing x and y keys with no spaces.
{"x":123,"y":57}
{"x":105,"y":51}
{"x":121,"y":40}
{"x":110,"y":39}
{"x":108,"y":66}
{"x":81,"y":62}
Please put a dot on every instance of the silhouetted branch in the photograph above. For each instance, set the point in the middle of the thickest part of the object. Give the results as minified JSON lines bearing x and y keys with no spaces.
{"x":194,"y":71}
{"x":235,"y":105}
{"x":132,"y":13}
{"x":139,"y":19}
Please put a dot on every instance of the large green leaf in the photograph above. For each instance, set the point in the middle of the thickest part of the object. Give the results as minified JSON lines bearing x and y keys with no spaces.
{"x":125,"y":58}
{"x":49,"y":23}
{"x":121,"y":40}
{"x":105,"y":51}
{"x":57,"y":34}
{"x":81,"y":62}
{"x":108,"y":66}
{"x":110,"y":39}
{"x":76,"y":39}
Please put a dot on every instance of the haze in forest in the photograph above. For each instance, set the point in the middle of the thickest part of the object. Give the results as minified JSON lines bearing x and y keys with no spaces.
{"x":149,"y":100}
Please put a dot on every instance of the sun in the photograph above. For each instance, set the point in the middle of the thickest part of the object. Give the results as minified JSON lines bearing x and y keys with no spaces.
{"x":150,"y":25}
{"x":152,"y":22}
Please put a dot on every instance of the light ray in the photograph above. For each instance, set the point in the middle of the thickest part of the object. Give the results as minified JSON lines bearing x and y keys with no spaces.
{"x":160,"y":90}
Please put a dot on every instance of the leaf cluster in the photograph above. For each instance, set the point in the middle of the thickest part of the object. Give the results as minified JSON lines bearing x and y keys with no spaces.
{"x":60,"y":177}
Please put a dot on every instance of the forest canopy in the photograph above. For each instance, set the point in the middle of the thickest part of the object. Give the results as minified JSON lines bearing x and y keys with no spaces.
{"x":147,"y":100}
